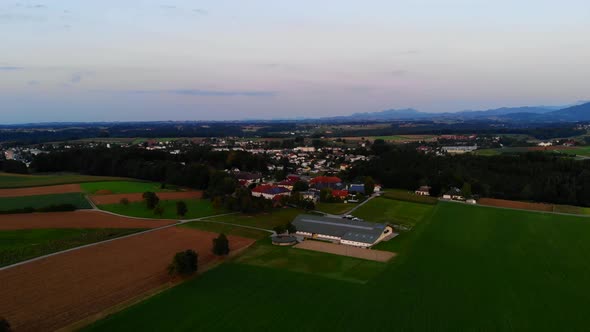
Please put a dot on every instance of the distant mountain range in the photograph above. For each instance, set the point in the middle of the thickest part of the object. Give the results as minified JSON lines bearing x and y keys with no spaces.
{"x":571,"y":113}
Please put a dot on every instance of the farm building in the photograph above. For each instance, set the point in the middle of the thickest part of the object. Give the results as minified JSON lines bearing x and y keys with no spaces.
{"x":356,"y":188}
{"x":270,"y":191}
{"x":459,"y":149}
{"x":353,"y":233}
{"x":423,"y":191}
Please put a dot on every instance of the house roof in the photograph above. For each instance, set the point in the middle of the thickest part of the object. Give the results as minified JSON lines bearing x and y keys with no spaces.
{"x":326,"y":179}
{"x":359,"y":231}
{"x":357,"y":188}
{"x":271,"y":190}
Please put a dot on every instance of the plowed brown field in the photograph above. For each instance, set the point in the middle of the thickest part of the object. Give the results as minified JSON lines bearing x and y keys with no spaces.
{"x":48,"y":190}
{"x":515,"y":204}
{"x":75,"y":219}
{"x":138,"y":197}
{"x":60,"y":290}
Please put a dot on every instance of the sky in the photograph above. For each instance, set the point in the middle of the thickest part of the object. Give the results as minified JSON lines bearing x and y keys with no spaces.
{"x":113,"y":60}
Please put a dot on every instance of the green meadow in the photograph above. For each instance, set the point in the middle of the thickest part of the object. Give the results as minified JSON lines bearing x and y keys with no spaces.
{"x":196,"y":209}
{"x":41,"y":201}
{"x":125,"y":187}
{"x":335,"y":208}
{"x":20,"y":245}
{"x":279,"y":217}
{"x":462,"y":268}
{"x":9,"y":180}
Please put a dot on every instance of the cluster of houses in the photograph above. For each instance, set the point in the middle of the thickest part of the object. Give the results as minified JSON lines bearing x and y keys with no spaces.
{"x":274,"y":190}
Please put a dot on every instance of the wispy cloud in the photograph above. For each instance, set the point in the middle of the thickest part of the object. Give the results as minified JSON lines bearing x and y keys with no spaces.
{"x":10,"y":68}
{"x":208,"y":93}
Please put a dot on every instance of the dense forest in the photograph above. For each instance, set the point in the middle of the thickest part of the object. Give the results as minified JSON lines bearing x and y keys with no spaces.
{"x":531,"y":176}
{"x":196,"y":168}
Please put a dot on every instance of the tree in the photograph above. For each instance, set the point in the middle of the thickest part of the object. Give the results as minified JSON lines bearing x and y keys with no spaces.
{"x":159,"y":210}
{"x":466,"y":189}
{"x":184,"y":263}
{"x":4,"y":325}
{"x":291,"y":228}
{"x":300,"y":186}
{"x":124,"y":201}
{"x":221,"y":245}
{"x":181,"y":208}
{"x":326,"y":195}
{"x":280,"y":229}
{"x":151,"y":199}
{"x":369,"y":185}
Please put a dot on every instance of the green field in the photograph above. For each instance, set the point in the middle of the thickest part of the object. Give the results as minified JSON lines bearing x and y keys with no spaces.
{"x":126,"y":187}
{"x":278,"y":217}
{"x":264,"y":254}
{"x":227,"y":229}
{"x":41,"y":201}
{"x":335,"y":208}
{"x":196,"y":209}
{"x":20,"y":245}
{"x":464,"y":268}
{"x":404,"y":195}
{"x":385,"y":210}
{"x":578,"y":150}
{"x":8,"y":180}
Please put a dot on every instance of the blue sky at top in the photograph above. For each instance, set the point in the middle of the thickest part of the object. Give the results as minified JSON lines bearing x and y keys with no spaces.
{"x":193,"y":60}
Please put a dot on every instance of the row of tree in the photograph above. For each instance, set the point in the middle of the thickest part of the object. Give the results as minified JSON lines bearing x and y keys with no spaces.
{"x":187,"y":262}
{"x":534,"y":176}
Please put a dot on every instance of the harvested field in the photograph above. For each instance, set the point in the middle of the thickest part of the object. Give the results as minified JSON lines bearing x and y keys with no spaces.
{"x":516,"y":204}
{"x":32,"y":191}
{"x":137,"y":197}
{"x":60,"y":290}
{"x":343,"y":250}
{"x":75,"y":219}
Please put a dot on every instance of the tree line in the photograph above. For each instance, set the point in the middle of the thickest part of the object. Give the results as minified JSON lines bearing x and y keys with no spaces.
{"x":533,"y":176}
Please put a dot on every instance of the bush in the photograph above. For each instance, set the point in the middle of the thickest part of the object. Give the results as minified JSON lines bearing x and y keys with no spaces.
{"x":4,"y":325}
{"x":280,"y":229}
{"x":221,"y":245}
{"x":159,"y":210}
{"x":184,"y":263}
{"x":151,"y":199}
{"x":181,"y":208}
{"x":291,"y":228}
{"x":124,"y":201}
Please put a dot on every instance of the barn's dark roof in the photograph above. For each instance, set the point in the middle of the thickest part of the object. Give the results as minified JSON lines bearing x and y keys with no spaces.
{"x":359,"y":231}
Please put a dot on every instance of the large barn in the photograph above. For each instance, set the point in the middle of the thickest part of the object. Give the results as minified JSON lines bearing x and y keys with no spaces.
{"x":344,"y":231}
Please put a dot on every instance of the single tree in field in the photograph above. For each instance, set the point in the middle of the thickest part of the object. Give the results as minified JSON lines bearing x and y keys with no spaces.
{"x":280,"y":229}
{"x":181,"y":208}
{"x":369,"y":185}
{"x":159,"y":210}
{"x":4,"y":325}
{"x":151,"y":199}
{"x":184,"y":263}
{"x":124,"y":201}
{"x":221,"y":245}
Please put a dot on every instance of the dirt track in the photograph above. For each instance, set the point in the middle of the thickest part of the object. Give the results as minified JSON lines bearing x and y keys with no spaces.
{"x":61,"y":189}
{"x":137,"y":197}
{"x":344,"y":250}
{"x":60,"y":290}
{"x":515,"y":204}
{"x":76,"y":219}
